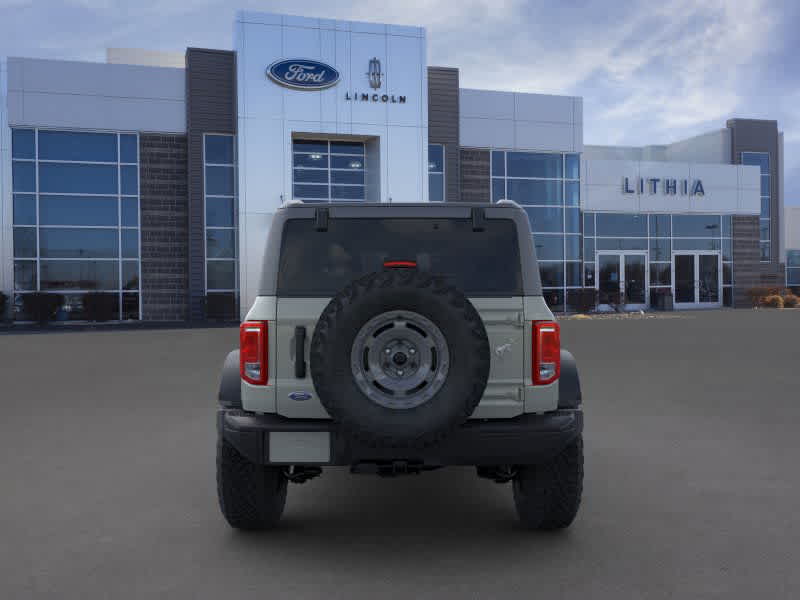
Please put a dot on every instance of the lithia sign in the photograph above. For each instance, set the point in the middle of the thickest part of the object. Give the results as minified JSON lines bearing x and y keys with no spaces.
{"x":306,"y":74}
{"x":669,"y":187}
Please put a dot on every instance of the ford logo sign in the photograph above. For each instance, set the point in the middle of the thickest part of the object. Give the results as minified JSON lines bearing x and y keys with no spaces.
{"x":303,"y":74}
{"x":300,"y":396}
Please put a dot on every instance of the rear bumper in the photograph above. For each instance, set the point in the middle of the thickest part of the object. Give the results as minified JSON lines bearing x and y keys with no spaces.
{"x":527,"y":439}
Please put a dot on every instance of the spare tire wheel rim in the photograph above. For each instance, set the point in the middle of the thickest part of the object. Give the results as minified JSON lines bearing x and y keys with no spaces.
{"x":400,"y":359}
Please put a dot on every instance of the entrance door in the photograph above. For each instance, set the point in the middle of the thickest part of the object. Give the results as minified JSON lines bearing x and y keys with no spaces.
{"x":697,"y":279}
{"x":622,"y":280}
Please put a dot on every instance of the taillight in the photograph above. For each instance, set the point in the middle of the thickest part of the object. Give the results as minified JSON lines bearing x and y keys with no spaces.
{"x":546,"y":352}
{"x":253,"y":357}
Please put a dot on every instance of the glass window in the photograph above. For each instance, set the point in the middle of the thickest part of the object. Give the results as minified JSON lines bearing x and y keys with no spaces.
{"x":311,"y":175}
{"x":588,"y":249}
{"x":727,"y":249}
{"x":130,"y":306}
{"x":436,"y":187}
{"x":498,"y":189}
{"x":530,"y":191}
{"x":24,"y":209}
{"x":356,"y":148}
{"x":621,"y":243}
{"x":56,"y":242}
{"x":435,"y":158}
{"x":572,"y":220}
{"x":530,"y":164}
{"x":765,"y":207}
{"x":759,"y":159}
{"x":546,"y":219}
{"x":549,"y":247}
{"x":498,"y":164}
{"x":347,"y":162}
{"x":793,"y":277}
{"x":347,"y":192}
{"x":573,"y":274}
{"x":23,"y":143}
{"x":77,"y":179}
{"x":695,"y":244}
{"x":77,"y":210}
{"x":793,"y":258}
{"x":23,"y":176}
{"x":572,"y":247}
{"x":765,"y":250}
{"x":311,"y":161}
{"x":221,"y":275}
{"x":219,"y":212}
{"x":357,"y":177}
{"x":588,"y":274}
{"x":551,"y":273}
{"x":727,"y":296}
{"x":130,"y":243}
{"x":128,"y":148}
{"x":78,"y":146}
{"x":25,"y":242}
{"x":727,"y":226}
{"x":25,"y":275}
{"x":303,"y":191}
{"x":588,"y":224}
{"x":435,"y":173}
{"x":763,"y":229}
{"x":727,"y":273}
{"x":572,"y":193}
{"x":623,"y":225}
{"x":219,"y":149}
{"x":130,"y":212}
{"x":130,"y":275}
{"x":660,"y":249}
{"x":79,"y":275}
{"x":554,"y":298}
{"x":573,"y":166}
{"x":660,"y":274}
{"x":765,"y":185}
{"x":219,"y":181}
{"x":696,"y":225}
{"x":312,"y":146}
{"x":660,"y":226}
{"x":129,"y":180}
{"x":220,"y":243}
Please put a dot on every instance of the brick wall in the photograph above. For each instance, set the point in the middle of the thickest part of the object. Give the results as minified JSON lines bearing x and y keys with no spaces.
{"x":475,"y":185}
{"x":165,"y":227}
{"x":746,"y":253}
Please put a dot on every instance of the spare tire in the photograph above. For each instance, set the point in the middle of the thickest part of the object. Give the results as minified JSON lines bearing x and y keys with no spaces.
{"x":399,"y":358}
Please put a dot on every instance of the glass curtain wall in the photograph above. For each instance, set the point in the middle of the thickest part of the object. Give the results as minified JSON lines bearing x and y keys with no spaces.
{"x":547,"y":186}
{"x":325,"y":171}
{"x":761,"y":160}
{"x":793,"y":269}
{"x":76,"y":219}
{"x":436,"y":173}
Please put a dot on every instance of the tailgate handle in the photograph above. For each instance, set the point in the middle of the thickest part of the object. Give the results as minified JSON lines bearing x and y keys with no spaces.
{"x":300,"y":352}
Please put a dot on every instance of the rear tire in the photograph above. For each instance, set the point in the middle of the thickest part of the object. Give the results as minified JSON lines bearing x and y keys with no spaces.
{"x":251,"y":496}
{"x":548,"y":496}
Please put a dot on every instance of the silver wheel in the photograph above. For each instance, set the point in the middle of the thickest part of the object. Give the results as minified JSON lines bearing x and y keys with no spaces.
{"x":400,"y":359}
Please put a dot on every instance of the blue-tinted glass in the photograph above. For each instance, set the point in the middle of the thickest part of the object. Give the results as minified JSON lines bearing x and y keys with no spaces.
{"x":661,"y":274}
{"x":621,"y":243}
{"x":793,"y":277}
{"x":347,"y":192}
{"x":765,"y":185}
{"x":498,"y":189}
{"x":77,"y":179}
{"x":528,"y":191}
{"x":220,"y":243}
{"x":130,"y":212}
{"x":588,"y":224}
{"x":219,"y":181}
{"x":23,"y":144}
{"x":727,"y":249}
{"x":660,"y":249}
{"x":696,"y":225}
{"x":130,"y":307}
{"x":130,"y":243}
{"x":315,"y":161}
{"x":128,"y":150}
{"x":549,"y":247}
{"x":766,"y":251}
{"x":25,"y":242}
{"x":310,"y":191}
{"x":763,"y":229}
{"x":219,"y":149}
{"x":660,"y":226}
{"x":23,"y":176}
{"x":727,"y":225}
{"x":572,"y":193}
{"x":436,"y":187}
{"x":310,"y":146}
{"x":347,"y":162}
{"x":765,"y":208}
{"x":573,"y":166}
{"x":311,"y":175}
{"x":220,"y":274}
{"x":129,"y":180}
{"x":546,"y":219}
{"x":77,"y":210}
{"x":627,"y":225}
{"x":130,"y":275}
{"x":727,"y":274}
{"x":759,"y":159}
{"x":531,"y":164}
{"x":80,"y":275}
{"x":357,"y":177}
{"x":74,"y":145}
{"x":78,"y":243}
{"x":24,"y":209}
{"x":588,"y":249}
{"x":552,"y":274}
{"x":588,"y":273}
{"x":219,"y":212}
{"x":793,"y":258}
{"x":435,"y":158}
{"x":25,"y":275}
{"x":572,"y":220}
{"x":498,"y":163}
{"x":572,"y":247}
{"x":695,"y":244}
{"x":573,"y":274}
{"x":347,"y":148}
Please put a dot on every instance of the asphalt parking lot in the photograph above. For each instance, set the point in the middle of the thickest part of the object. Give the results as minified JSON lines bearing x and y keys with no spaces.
{"x":692,"y":479}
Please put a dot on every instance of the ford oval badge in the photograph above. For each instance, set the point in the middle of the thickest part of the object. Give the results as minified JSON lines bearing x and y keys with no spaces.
{"x":300,"y":396}
{"x":303,"y":74}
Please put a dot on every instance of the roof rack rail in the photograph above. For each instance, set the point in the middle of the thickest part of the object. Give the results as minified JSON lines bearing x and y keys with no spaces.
{"x":507,"y":202}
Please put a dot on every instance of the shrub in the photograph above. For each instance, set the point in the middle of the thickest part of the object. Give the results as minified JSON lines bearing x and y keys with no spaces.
{"x":100,"y":306}
{"x":3,"y":306}
{"x":41,"y":306}
{"x":790,"y":300}
{"x":773,"y":301}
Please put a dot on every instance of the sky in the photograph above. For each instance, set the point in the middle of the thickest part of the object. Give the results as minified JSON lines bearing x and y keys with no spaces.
{"x":649,"y":72}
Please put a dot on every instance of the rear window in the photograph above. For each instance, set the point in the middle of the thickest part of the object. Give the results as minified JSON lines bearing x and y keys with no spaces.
{"x":320,"y":263}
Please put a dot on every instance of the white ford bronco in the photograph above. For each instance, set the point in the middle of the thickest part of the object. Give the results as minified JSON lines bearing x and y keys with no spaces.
{"x":394,"y":339}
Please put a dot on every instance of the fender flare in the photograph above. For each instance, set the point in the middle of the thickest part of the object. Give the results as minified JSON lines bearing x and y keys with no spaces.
{"x":569,"y":385}
{"x":230,"y":385}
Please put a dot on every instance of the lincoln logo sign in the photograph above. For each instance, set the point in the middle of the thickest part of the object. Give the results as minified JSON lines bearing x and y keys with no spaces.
{"x":302,"y":74}
{"x":667,"y":186}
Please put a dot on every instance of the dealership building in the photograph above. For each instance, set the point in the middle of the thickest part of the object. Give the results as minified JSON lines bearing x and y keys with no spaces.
{"x":154,"y":176}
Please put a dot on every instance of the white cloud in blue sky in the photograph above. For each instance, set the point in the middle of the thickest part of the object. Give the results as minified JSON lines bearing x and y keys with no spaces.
{"x":649,"y":72}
